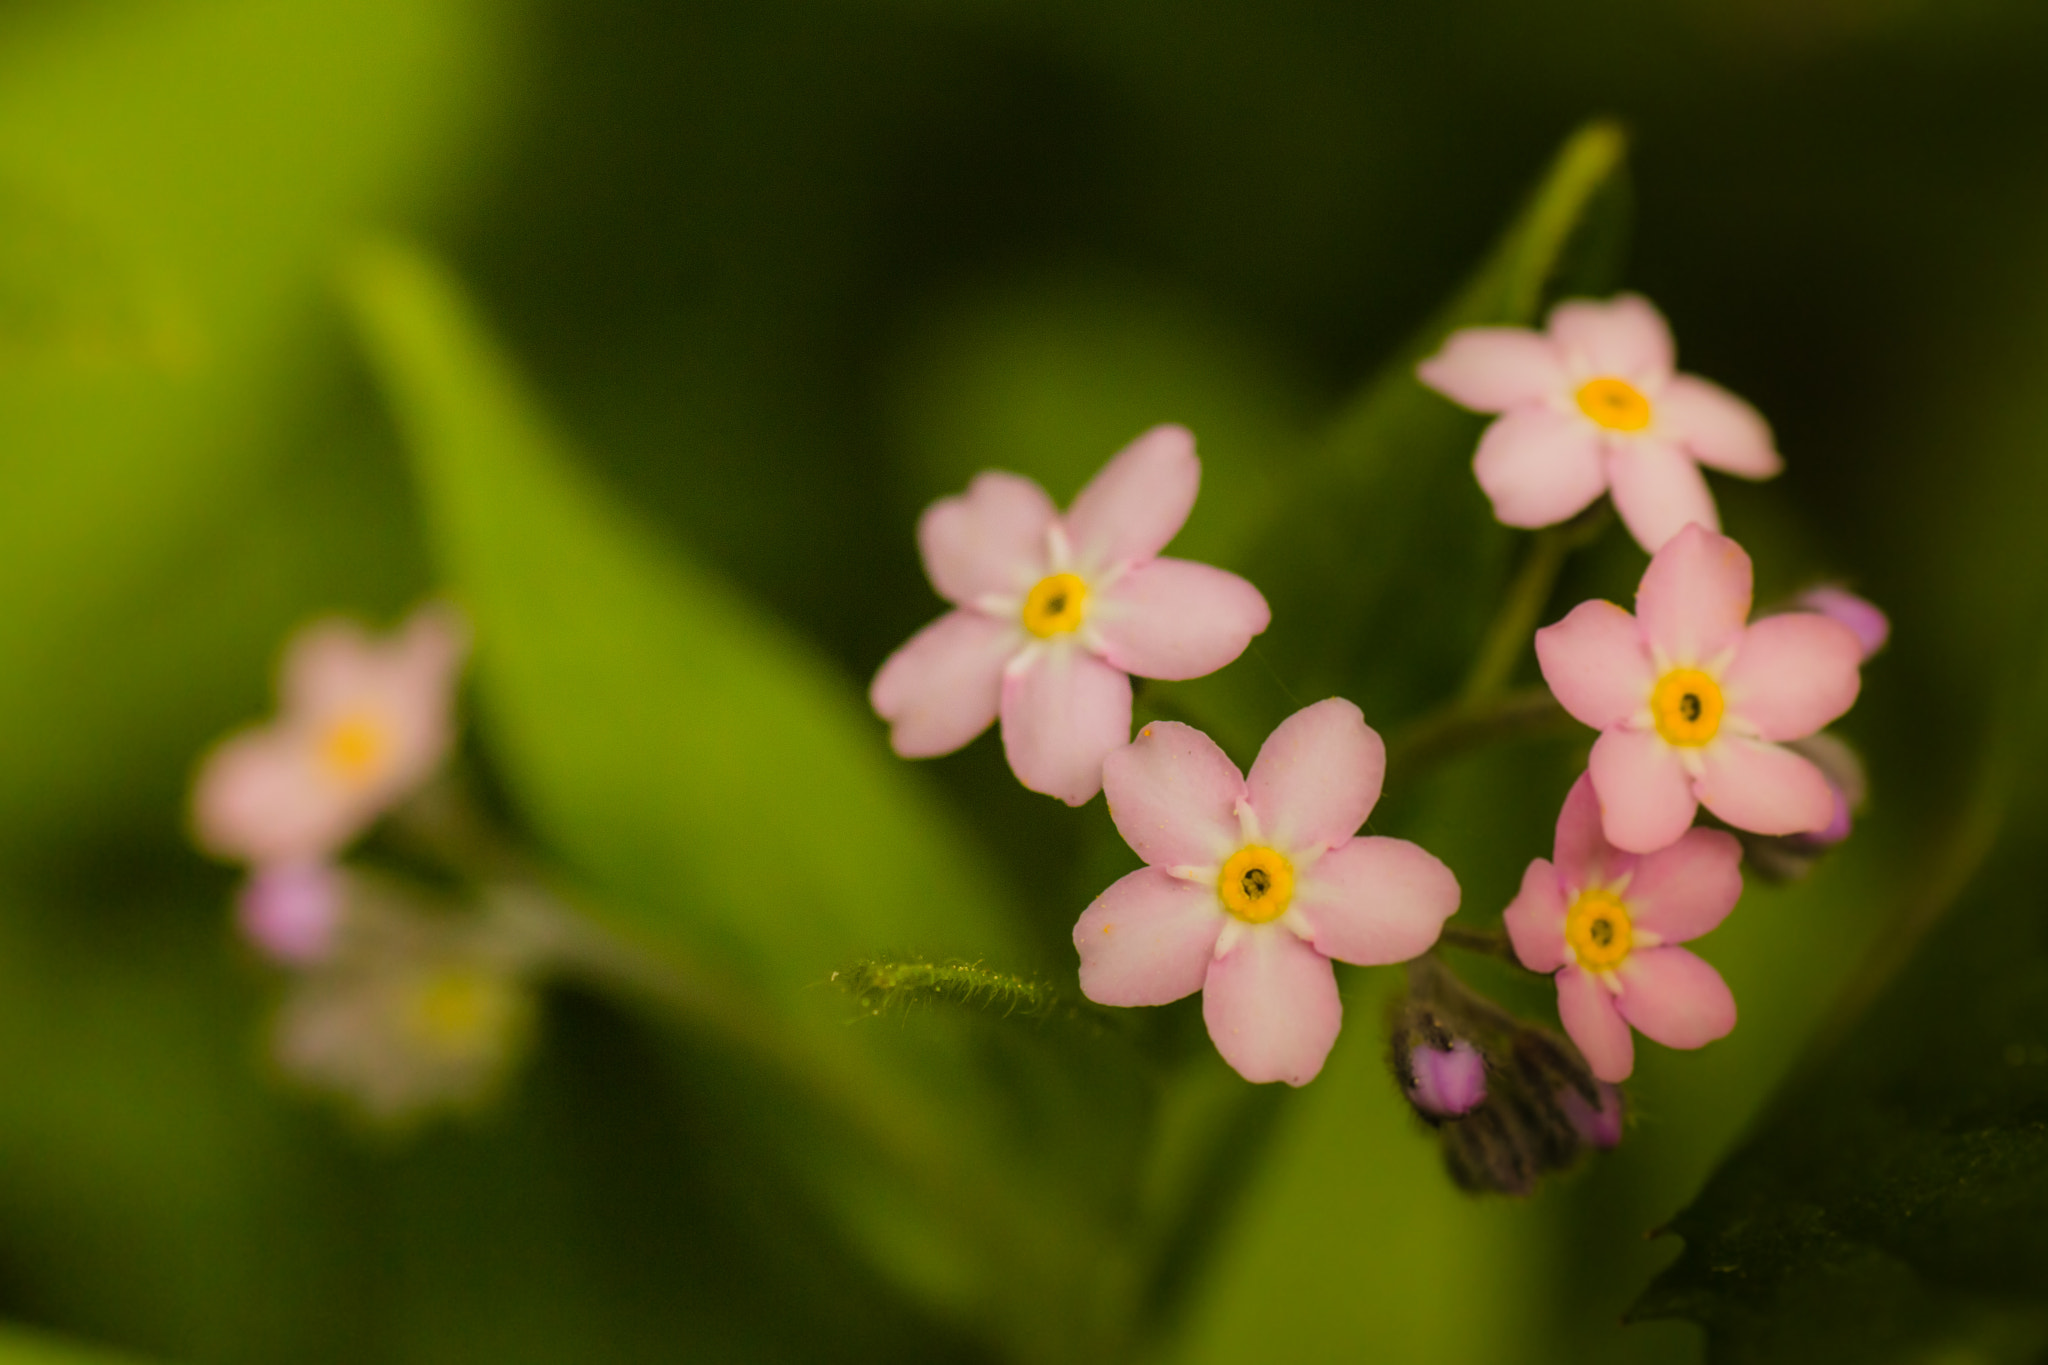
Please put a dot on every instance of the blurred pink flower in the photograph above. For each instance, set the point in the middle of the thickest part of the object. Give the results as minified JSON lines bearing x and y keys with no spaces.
{"x":1253,"y":884}
{"x":362,"y":722}
{"x":1604,"y":921}
{"x":289,"y":912}
{"x":1594,"y":405}
{"x":1054,"y":613}
{"x":1694,"y":705}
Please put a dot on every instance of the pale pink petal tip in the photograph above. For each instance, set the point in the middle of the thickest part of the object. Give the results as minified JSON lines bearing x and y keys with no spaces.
{"x":1492,"y":369}
{"x":1148,"y":940}
{"x":1449,"y":1082}
{"x":992,"y":539}
{"x":1176,"y":619}
{"x":1137,"y":503}
{"x":1624,"y":336}
{"x":1317,"y":777}
{"x":1272,"y":1008}
{"x":289,"y":913}
{"x":1063,"y":715}
{"x":942,"y":688}
{"x":1872,"y":627}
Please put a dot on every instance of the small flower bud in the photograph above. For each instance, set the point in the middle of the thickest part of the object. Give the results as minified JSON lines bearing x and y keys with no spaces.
{"x":1871,"y":625}
{"x":1448,"y":1082}
{"x":1789,"y":857}
{"x":288,"y":912}
{"x":1598,"y":1125}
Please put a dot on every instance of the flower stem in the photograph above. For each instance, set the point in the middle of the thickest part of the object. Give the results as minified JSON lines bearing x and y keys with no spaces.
{"x":1514,"y":625}
{"x":1464,"y":724}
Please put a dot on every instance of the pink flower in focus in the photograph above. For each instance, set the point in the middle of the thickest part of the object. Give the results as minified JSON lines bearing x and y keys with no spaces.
{"x":1053,"y":614}
{"x":1605,"y":921}
{"x":362,"y":722}
{"x":1594,"y":405}
{"x":1694,"y":706}
{"x":289,"y":911}
{"x":1253,"y":884}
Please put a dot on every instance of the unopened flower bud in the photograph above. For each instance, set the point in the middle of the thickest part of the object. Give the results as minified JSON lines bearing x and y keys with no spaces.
{"x":1448,"y":1081}
{"x":1871,"y":625}
{"x":1599,"y":1126}
{"x":289,"y":912}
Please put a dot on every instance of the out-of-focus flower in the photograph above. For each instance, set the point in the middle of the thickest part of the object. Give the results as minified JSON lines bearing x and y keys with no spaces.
{"x":1253,"y":884}
{"x":413,"y":1011}
{"x":1606,"y":921}
{"x":1446,"y":1082}
{"x":362,"y":721}
{"x":1873,"y":628}
{"x":1055,"y":613}
{"x":1694,"y":706}
{"x":291,"y":912}
{"x":1592,"y":405}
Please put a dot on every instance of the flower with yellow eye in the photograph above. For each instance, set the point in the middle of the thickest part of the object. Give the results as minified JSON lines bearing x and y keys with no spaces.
{"x":1606,"y":922}
{"x":1594,"y":405}
{"x":1695,"y":704}
{"x":1053,"y":614}
{"x":362,"y":722}
{"x":1253,"y":884}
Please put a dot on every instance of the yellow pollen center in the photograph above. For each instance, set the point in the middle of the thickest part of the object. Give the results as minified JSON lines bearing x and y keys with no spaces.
{"x":1256,"y":884}
{"x":1597,"y":928}
{"x":1615,"y":404}
{"x":458,"y":1009}
{"x":1687,"y":707}
{"x":354,"y":747}
{"x":1055,"y":606}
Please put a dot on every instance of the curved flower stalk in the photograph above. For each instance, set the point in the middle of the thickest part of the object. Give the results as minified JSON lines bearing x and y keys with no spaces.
{"x":1054,"y":614}
{"x":1694,"y":706}
{"x":1253,"y":884}
{"x":1594,"y":404}
{"x":1606,"y":923}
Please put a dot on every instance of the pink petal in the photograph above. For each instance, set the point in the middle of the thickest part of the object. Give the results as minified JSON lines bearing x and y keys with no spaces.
{"x":1584,"y":857}
{"x":1681,"y":892}
{"x":990,"y":539}
{"x":1625,"y":336}
{"x":1866,"y":618}
{"x":1492,"y":369}
{"x":290,"y":911}
{"x":1535,"y":919}
{"x":261,"y":798}
{"x":1374,"y":901}
{"x":1175,"y":619}
{"x":1586,"y":1007}
{"x":1716,"y":428}
{"x":1539,"y":466}
{"x":1658,"y":491}
{"x":1793,"y":674}
{"x":1317,"y":777}
{"x":1148,"y":939}
{"x":1674,"y":998}
{"x":1764,"y":789}
{"x":1138,"y":503}
{"x":942,"y":688}
{"x":1272,"y":1008}
{"x":1173,"y":795}
{"x":1646,"y":798}
{"x":1695,"y":597}
{"x":1596,"y":664}
{"x":326,"y":664}
{"x":1063,"y":714}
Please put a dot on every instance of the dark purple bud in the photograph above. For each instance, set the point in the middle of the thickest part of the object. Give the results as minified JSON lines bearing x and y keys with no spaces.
{"x":1448,"y":1082}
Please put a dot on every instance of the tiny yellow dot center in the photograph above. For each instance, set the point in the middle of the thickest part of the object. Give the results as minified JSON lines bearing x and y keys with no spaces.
{"x":1256,"y":884}
{"x":459,"y":1009}
{"x":1056,"y":605}
{"x":1615,"y":404}
{"x":354,"y":747}
{"x":1598,"y":930}
{"x":1687,"y":707}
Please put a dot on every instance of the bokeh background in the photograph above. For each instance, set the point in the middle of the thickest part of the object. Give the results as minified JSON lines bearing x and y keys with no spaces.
{"x":787,"y":271}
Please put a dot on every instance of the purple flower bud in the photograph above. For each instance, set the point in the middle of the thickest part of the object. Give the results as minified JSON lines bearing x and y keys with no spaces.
{"x":1871,"y":625}
{"x":1599,"y":1127}
{"x":288,"y":912}
{"x":1449,"y":1082}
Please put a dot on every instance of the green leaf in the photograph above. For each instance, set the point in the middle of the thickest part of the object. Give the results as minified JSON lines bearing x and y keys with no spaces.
{"x":702,"y":765}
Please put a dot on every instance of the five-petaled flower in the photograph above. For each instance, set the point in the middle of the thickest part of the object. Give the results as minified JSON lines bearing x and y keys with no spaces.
{"x":1594,"y":405}
{"x":1694,"y":705}
{"x":362,"y":722}
{"x":1605,"y":921}
{"x":1253,"y":884}
{"x":1054,"y":613}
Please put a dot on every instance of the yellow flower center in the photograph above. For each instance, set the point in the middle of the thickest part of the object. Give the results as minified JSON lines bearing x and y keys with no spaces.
{"x":1598,"y":931}
{"x":1615,"y":404}
{"x":354,"y":747}
{"x":1256,"y":884}
{"x":1055,"y":606}
{"x":1687,"y":707}
{"x":460,"y":1009}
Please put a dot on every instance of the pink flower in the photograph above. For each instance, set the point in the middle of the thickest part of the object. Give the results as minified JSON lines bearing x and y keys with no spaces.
{"x":289,"y":912}
{"x":1253,"y":885}
{"x":1694,"y":706}
{"x":362,"y":723}
{"x":1593,"y":405}
{"x":1605,"y":921}
{"x":1055,"y":613}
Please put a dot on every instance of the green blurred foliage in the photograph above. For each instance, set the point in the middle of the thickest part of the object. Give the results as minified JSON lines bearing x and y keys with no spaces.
{"x":786,"y":272}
